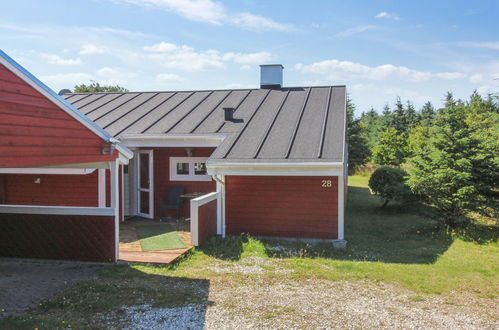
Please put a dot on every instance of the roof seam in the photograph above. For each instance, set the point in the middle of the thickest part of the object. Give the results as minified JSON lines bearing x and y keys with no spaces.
{"x":141,"y":104}
{"x":116,"y":107}
{"x":189,"y":112}
{"x":235,"y":109}
{"x":246,"y":124}
{"x":324,"y":123}
{"x":154,"y":108}
{"x":100,"y":106}
{"x":211,"y":111}
{"x":269,"y":128}
{"x":98,"y":98}
{"x":297,"y":125}
{"x":72,"y":95}
{"x":168,"y":112}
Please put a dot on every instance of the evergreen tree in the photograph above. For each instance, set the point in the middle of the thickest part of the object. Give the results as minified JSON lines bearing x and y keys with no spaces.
{"x":358,"y":150}
{"x":456,"y":168}
{"x":391,"y":148}
{"x":427,"y":112}
{"x":371,"y":125}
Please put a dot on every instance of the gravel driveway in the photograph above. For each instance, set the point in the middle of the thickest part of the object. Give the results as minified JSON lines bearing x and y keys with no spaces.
{"x":273,"y":303}
{"x":24,"y":283}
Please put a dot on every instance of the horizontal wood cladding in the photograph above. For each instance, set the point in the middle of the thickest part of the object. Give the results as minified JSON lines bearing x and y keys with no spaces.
{"x":207,"y":221}
{"x":36,"y":132}
{"x":162,"y":177}
{"x":282,"y":206}
{"x":62,"y":237}
{"x":53,"y":190}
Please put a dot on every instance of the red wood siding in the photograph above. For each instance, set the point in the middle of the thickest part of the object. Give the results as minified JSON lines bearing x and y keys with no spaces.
{"x":207,"y":221}
{"x":285,"y":206}
{"x":162,"y":177}
{"x":53,"y":190}
{"x":2,"y":189}
{"x":35,"y":132}
{"x":64,"y":237}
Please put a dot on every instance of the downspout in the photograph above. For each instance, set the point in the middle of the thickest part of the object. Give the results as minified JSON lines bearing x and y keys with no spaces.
{"x":222,"y":201}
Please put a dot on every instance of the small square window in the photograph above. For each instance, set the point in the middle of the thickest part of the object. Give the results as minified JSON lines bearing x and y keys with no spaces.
{"x":182,"y":168}
{"x":200,"y":168}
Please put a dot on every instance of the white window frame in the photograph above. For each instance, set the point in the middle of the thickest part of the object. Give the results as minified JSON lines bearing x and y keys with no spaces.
{"x":191,"y":176}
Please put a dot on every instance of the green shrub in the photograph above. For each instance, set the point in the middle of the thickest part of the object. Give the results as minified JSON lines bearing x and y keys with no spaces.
{"x":389,"y":184}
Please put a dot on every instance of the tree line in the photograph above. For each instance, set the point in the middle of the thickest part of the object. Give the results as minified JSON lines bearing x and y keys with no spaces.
{"x":450,"y":154}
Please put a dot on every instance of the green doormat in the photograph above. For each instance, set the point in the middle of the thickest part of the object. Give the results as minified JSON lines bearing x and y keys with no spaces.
{"x":158,"y":237}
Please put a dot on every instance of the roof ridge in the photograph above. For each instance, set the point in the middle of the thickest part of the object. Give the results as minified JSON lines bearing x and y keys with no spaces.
{"x":209,"y":90}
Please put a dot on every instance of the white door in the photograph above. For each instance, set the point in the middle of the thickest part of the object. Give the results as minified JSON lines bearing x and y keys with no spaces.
{"x":145,"y":187}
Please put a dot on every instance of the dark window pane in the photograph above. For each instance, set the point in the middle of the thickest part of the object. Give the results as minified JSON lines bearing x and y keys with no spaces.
{"x":144,"y":202}
{"x":183,"y":168}
{"x":199,"y":168}
{"x":144,"y":171}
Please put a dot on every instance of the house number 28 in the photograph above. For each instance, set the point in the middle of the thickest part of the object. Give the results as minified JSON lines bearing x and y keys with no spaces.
{"x":326,"y":183}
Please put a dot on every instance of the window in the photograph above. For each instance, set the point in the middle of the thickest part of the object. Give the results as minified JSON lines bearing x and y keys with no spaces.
{"x":188,"y":169}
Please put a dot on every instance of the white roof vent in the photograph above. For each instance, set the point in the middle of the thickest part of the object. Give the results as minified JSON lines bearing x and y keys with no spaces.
{"x":271,"y":75}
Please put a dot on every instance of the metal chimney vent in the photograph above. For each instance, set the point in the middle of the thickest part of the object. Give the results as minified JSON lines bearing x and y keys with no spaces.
{"x":271,"y":75}
{"x":229,"y":114}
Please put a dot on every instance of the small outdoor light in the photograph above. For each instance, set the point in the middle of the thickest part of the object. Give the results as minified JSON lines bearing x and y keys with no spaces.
{"x":188,"y":151}
{"x":107,"y":148}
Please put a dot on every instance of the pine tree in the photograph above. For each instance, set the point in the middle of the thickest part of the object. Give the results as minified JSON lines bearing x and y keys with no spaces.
{"x":391,"y":148}
{"x":456,"y":168}
{"x":358,"y":150}
{"x":427,"y":111}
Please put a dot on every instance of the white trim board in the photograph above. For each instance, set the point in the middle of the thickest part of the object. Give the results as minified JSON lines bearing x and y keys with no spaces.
{"x":56,"y":210}
{"x":195,"y":204}
{"x":40,"y":170}
{"x":280,"y":169}
{"x":192,"y":140}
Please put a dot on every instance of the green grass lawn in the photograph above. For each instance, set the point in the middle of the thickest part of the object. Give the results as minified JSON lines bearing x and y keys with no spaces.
{"x":158,"y":237}
{"x":399,"y":245}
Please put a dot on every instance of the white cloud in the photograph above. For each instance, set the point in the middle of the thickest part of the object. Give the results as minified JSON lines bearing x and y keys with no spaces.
{"x":182,"y":57}
{"x":91,"y":49}
{"x":248,"y":58}
{"x":213,"y":12}
{"x":169,"y":77}
{"x":114,"y":76}
{"x":196,"y":10}
{"x":258,"y":23}
{"x":346,"y":70}
{"x":354,"y":30}
{"x":494,"y":45}
{"x":161,"y":47}
{"x":67,"y":80}
{"x":56,"y":59}
{"x":108,"y":72}
{"x":476,"y":78}
{"x":386,"y":15}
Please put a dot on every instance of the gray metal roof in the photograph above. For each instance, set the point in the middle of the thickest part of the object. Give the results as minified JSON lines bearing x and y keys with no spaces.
{"x":276,"y":125}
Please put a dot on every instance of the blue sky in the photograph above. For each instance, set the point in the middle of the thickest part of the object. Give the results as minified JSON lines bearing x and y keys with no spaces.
{"x":416,"y":50}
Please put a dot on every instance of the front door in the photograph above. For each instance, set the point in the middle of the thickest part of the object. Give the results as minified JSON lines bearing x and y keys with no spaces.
{"x":145,"y":193}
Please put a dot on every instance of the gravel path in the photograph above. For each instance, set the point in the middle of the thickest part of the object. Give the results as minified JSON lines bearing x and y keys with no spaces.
{"x":24,"y":283}
{"x":241,"y":303}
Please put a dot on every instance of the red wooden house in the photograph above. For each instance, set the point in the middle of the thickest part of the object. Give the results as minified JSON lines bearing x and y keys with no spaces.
{"x":270,"y":161}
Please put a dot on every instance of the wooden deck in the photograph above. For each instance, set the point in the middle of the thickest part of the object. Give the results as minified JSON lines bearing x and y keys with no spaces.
{"x":131,"y":251}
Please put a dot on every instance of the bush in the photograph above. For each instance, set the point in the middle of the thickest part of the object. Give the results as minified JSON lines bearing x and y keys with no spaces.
{"x":389,"y":184}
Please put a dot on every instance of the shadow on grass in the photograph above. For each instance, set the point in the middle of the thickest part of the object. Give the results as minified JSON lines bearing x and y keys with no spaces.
{"x":120,"y":296}
{"x":394,"y":234}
